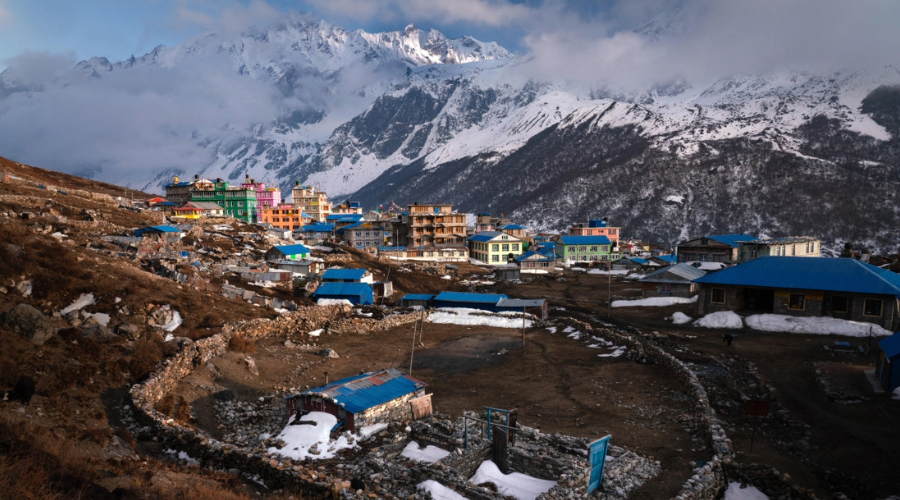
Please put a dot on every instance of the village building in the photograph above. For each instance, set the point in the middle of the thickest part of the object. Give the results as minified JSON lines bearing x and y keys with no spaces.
{"x":632,"y":263}
{"x":238,"y":202}
{"x":597,"y":227}
{"x":508,"y":272}
{"x":312,"y":201}
{"x":805,"y":286}
{"x":364,"y":235}
{"x":444,"y":254}
{"x":664,"y":260}
{"x":672,"y":281}
{"x":362,"y":400}
{"x":305,"y":268}
{"x":358,"y":294}
{"x":335,"y":275}
{"x":348,"y":207}
{"x":284,"y":216}
{"x":169,"y":233}
{"x":179,"y":191}
{"x":717,"y":248}
{"x":486,"y":222}
{"x":288,"y":252}
{"x":198,"y":209}
{"x":514,"y":230}
{"x":433,"y":225}
{"x":792,"y":246}
{"x":492,"y":302}
{"x":494,"y":247}
{"x":585,"y":249}
{"x":417,"y":300}
{"x":340,"y":221}
{"x":535,"y":262}
{"x":887,"y":370}
{"x":315,"y":233}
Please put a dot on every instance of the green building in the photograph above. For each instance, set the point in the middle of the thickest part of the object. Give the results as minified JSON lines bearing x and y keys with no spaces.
{"x":573,"y":249}
{"x":238,"y":202}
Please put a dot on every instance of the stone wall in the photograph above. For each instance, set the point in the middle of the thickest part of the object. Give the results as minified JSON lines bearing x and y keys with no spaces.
{"x":397,"y":410}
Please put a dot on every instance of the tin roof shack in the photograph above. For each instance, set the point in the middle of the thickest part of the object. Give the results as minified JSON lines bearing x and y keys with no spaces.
{"x":304,"y":268}
{"x":672,"y":281}
{"x":805,"y":286}
{"x":170,"y":233}
{"x":355,"y":275}
{"x":632,"y":263}
{"x":509,"y":272}
{"x":535,"y":262}
{"x":288,"y":252}
{"x":717,"y":248}
{"x":383,"y":288}
{"x":417,"y":299}
{"x":358,"y":294}
{"x":888,"y":367}
{"x":362,"y":400}
{"x":492,"y":302}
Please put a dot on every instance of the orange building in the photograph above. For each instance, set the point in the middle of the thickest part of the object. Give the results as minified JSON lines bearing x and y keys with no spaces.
{"x":597,"y":228}
{"x":284,"y":216}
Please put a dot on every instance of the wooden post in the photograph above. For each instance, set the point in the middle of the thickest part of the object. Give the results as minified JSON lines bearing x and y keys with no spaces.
{"x":523,"y":329}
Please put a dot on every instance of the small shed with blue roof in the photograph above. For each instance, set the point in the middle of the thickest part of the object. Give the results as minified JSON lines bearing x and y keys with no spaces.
{"x":888,"y":368}
{"x":805,"y":286}
{"x":358,"y":294}
{"x":288,"y":252}
{"x":366,"y":399}
{"x":166,"y":231}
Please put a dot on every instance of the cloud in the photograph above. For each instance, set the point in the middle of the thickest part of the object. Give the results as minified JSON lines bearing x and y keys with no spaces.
{"x":708,"y":39}
{"x":227,"y":17}
{"x":6,"y":16}
{"x":477,"y":12}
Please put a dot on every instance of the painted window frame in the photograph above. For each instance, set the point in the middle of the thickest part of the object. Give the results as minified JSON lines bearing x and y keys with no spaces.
{"x":712,"y":296}
{"x":866,"y":307}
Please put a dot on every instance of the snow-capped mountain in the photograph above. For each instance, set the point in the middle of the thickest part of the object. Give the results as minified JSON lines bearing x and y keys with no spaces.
{"x":414,"y":116}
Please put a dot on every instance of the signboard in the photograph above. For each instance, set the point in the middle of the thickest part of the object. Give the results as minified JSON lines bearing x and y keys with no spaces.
{"x":597,"y":454}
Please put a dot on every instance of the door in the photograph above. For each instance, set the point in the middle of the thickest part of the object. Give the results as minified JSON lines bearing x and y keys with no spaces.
{"x":597,"y":453}
{"x":421,"y":407}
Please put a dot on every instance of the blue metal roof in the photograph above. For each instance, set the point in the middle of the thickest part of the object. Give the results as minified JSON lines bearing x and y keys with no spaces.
{"x":639,"y":260}
{"x":292,"y":249}
{"x":532,"y":253}
{"x":732,"y":239}
{"x":485,"y":236}
{"x":391,"y":249}
{"x":584,"y":240}
{"x":350,"y":289}
{"x":512,"y":226}
{"x":809,"y":273}
{"x":178,"y":184}
{"x":361,"y":392}
{"x":344,"y":274}
{"x":164,"y":229}
{"x":417,"y":296}
{"x":321,"y":227}
{"x":165,"y":204}
{"x":344,"y":217}
{"x":484,"y":214}
{"x":890,"y":345}
{"x":479,"y":298}
{"x":668,"y":258}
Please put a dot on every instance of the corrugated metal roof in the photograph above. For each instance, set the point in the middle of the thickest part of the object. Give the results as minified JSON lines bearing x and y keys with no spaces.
{"x":639,"y":260}
{"x":292,"y":249}
{"x":321,"y":227}
{"x":367,"y":390}
{"x":417,"y":296}
{"x":517,"y":303}
{"x":684,"y":270}
{"x":512,"y":226}
{"x":350,"y":289}
{"x":344,"y":274}
{"x":485,"y":236}
{"x":164,"y":229}
{"x":668,"y":258}
{"x":530,"y":254}
{"x":344,"y":217}
{"x":479,"y":298}
{"x":890,"y":345}
{"x":732,"y":239}
{"x":584,"y":240}
{"x":391,"y":249}
{"x":809,"y":273}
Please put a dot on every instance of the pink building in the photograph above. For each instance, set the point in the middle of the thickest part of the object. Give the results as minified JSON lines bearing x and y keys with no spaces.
{"x":267,"y":197}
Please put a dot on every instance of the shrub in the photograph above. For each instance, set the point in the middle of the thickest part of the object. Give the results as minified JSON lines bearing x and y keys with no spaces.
{"x":147,"y":354}
{"x":239,"y":343}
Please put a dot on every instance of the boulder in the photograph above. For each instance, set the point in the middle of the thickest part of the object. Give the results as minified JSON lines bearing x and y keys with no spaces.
{"x":329,"y":353}
{"x":28,"y":322}
{"x":128,"y":330}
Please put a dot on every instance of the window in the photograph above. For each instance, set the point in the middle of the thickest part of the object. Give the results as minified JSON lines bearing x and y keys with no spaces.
{"x":754,"y":252}
{"x":840,"y":304}
{"x":495,"y":258}
{"x":582,"y":248}
{"x":872,"y":307}
{"x":796,"y":302}
{"x":665,"y":287}
{"x":506,"y":247}
{"x":793,"y":249}
{"x":718,"y":296}
{"x":594,"y":248}
{"x":495,"y":248}
{"x":515,"y":247}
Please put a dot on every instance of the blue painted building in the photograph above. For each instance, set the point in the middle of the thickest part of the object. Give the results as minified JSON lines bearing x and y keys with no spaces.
{"x":805,"y":286}
{"x":365,"y":399}
{"x":888,"y":367}
{"x":358,"y":294}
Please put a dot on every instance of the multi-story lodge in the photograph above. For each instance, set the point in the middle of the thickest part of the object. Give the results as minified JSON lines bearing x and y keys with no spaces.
{"x":348,"y":207}
{"x":434,"y":225}
{"x":284,"y":216}
{"x":179,"y":192}
{"x":265,"y":196}
{"x":312,"y":201}
{"x":791,"y":246}
{"x":494,"y":247}
{"x":597,"y":227}
{"x":238,"y":202}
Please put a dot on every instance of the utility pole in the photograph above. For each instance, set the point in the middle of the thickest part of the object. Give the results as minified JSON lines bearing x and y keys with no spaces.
{"x":523,"y":329}
{"x":413,"y":350}
{"x":608,"y":288}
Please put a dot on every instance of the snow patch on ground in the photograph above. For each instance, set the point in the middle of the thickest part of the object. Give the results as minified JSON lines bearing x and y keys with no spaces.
{"x":814,"y":325}
{"x":313,"y":440}
{"x":680,"y":318}
{"x":613,"y":272}
{"x":182,"y":456}
{"x":735,"y":492}
{"x":370,"y":430}
{"x":333,"y":302}
{"x":654,"y":301}
{"x":428,"y":454}
{"x":721,"y":319}
{"x":175,"y":323}
{"x":518,"y":485}
{"x":551,"y":329}
{"x":439,"y":491}
{"x":86,"y":299}
{"x":475,"y":317}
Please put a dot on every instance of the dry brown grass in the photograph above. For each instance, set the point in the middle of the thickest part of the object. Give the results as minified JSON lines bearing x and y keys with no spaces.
{"x":239,"y":343}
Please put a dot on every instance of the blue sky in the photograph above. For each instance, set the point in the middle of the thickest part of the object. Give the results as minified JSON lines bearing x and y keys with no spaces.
{"x":117,"y":29}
